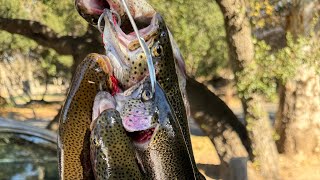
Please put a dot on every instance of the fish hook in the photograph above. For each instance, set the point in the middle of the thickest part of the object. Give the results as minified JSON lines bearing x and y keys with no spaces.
{"x":108,"y":13}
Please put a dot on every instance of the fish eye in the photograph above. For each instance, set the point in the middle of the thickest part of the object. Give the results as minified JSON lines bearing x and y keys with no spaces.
{"x":157,"y":50}
{"x":146,"y":95}
{"x":163,"y":34}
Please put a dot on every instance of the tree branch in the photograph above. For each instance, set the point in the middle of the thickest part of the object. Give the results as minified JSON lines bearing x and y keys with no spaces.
{"x":214,"y":116}
{"x":40,"y":33}
{"x":223,"y":128}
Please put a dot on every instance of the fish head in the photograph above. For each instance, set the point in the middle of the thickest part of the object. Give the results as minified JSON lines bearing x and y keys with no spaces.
{"x":145,"y":114}
{"x":137,"y":107}
{"x":149,"y":120}
{"x":133,"y":66}
{"x":130,"y":62}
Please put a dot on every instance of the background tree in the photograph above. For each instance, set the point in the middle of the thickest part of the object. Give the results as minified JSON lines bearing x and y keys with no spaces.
{"x":241,"y":53}
{"x":289,"y":60}
{"x":299,"y":108}
{"x":50,"y":25}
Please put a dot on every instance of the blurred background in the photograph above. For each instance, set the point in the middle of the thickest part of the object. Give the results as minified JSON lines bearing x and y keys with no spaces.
{"x":261,"y":57}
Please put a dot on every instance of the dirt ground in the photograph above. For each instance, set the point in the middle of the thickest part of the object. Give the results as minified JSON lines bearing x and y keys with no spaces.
{"x":291,"y":168}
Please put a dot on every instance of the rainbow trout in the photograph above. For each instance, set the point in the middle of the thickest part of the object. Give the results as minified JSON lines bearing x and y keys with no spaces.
{"x":75,"y":119}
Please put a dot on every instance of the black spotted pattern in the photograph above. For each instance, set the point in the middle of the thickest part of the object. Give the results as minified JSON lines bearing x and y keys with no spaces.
{"x":137,"y":71}
{"x":112,"y":154}
{"x":75,"y":119}
{"x":166,"y":157}
{"x":168,"y":79}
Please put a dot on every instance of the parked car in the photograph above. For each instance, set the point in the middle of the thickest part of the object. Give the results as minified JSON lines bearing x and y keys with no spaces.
{"x":27,"y":152}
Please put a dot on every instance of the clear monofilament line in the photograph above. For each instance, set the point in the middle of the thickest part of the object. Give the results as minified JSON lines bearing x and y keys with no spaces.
{"x":144,"y":46}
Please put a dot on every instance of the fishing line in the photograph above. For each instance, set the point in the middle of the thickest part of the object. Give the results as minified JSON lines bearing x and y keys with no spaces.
{"x":144,"y":47}
{"x":170,"y":111}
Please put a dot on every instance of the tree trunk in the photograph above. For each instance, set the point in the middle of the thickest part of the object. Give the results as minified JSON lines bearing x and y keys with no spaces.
{"x":298,"y":116}
{"x":241,"y":53}
{"x":298,"y":119}
{"x":5,"y":78}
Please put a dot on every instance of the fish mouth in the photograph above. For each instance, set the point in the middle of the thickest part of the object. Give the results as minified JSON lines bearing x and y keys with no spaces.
{"x":90,"y":10}
{"x":147,"y":28}
{"x":142,"y":137}
{"x":94,"y":7}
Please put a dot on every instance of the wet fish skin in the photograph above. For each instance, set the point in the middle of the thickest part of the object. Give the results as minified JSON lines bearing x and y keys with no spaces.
{"x":74,"y":124}
{"x":112,"y":154}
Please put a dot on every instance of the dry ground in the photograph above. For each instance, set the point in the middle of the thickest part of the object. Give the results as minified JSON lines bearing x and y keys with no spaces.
{"x":291,"y":168}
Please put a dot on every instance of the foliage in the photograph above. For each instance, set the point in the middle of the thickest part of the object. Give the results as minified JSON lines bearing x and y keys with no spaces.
{"x":267,"y":14}
{"x":198,"y":28}
{"x":61,"y":17}
{"x":54,"y":65}
{"x":271,"y":68}
{"x":261,"y":13}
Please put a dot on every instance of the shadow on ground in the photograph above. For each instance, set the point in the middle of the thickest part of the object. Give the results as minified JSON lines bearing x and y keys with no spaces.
{"x":210,"y":170}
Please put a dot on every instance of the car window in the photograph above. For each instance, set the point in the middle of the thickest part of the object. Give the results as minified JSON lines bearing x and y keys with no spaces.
{"x":27,"y":157}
